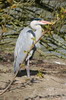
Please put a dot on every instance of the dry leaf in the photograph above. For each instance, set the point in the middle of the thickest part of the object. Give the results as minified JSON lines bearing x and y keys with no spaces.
{"x":13,"y":6}
{"x":4,"y":29}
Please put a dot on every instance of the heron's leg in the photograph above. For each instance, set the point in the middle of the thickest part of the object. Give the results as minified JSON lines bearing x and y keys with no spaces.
{"x":27,"y":60}
{"x":27,"y":68}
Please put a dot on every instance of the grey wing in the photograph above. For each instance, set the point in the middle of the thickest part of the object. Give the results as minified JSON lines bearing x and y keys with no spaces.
{"x":23,"y":44}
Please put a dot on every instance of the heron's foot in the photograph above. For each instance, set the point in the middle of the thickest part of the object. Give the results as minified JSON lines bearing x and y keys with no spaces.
{"x":18,"y":80}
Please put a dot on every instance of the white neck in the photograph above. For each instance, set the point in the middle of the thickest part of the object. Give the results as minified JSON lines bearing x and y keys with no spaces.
{"x":38,"y":29}
{"x":38,"y":32}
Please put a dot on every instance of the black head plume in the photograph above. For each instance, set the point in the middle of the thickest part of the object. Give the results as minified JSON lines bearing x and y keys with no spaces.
{"x":37,"y":19}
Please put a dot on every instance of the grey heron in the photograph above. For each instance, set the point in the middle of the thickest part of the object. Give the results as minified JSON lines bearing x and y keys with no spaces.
{"x":25,"y":41}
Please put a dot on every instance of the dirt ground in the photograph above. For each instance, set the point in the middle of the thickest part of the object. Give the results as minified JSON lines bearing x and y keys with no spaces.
{"x":47,"y":82}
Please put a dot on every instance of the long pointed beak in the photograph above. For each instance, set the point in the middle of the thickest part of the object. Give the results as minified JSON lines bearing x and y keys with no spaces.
{"x":46,"y":22}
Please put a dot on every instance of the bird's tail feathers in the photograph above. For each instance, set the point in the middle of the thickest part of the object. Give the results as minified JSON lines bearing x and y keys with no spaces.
{"x":16,"y":66}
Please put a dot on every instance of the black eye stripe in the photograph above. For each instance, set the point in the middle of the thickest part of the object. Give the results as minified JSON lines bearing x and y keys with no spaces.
{"x":37,"y":19}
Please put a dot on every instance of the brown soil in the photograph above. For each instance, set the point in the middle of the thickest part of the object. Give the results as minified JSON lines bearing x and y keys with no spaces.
{"x":48,"y":82}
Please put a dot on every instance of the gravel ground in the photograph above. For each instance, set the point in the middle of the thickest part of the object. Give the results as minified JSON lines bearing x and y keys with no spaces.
{"x":47,"y":82}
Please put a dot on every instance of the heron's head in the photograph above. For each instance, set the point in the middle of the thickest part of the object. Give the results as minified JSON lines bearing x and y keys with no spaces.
{"x":38,"y":21}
